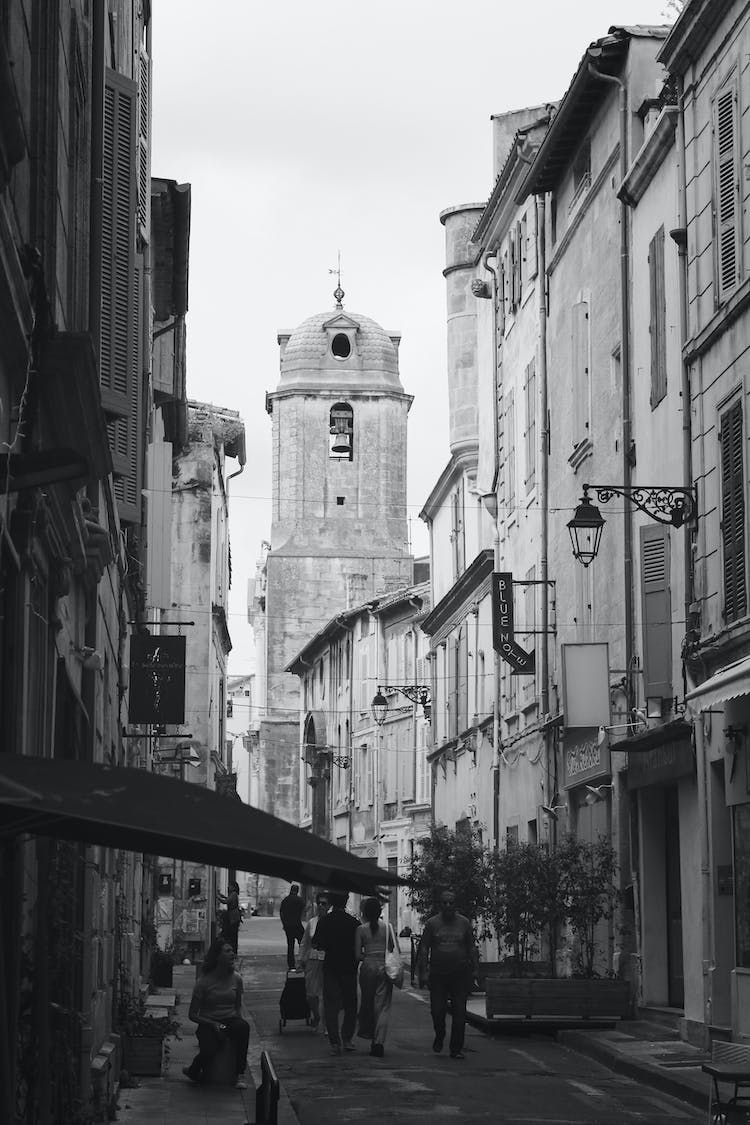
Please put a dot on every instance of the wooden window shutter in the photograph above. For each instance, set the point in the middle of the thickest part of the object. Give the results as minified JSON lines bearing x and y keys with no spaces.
{"x":118,"y":344}
{"x":658,"y":320}
{"x":122,"y":294}
{"x":727,"y":173}
{"x":657,"y":611}
{"x":580,"y":369}
{"x":530,"y":436}
{"x":510,"y":460}
{"x":144,"y":146}
{"x":733,"y":514}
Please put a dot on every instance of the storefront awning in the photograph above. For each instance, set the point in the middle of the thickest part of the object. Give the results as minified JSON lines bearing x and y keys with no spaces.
{"x":729,"y":683}
{"x":144,"y":812}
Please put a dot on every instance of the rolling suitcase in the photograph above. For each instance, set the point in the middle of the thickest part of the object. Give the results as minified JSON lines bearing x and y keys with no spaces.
{"x":293,"y":999}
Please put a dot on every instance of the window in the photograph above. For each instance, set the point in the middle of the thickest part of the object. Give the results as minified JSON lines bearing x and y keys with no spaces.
{"x":733,"y":514}
{"x":422,"y":796}
{"x":121,"y":293}
{"x":341,"y":346}
{"x":341,"y":430}
{"x":510,"y":454}
{"x":727,"y":187}
{"x":457,"y":532}
{"x":581,"y":174}
{"x":530,"y":435}
{"x":657,"y":612}
{"x":658,"y":321}
{"x":580,"y":338}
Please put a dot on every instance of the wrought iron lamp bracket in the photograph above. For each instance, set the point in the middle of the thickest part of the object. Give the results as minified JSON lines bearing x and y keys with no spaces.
{"x":667,"y":504}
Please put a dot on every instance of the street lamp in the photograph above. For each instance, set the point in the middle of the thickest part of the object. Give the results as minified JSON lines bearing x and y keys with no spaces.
{"x":672,"y":505}
{"x":416,"y":693}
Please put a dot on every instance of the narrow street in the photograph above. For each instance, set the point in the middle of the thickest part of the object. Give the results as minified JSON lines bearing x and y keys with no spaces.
{"x":513,"y":1078}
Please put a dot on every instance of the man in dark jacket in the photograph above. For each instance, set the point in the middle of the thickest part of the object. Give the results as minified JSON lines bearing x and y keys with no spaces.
{"x":290,"y":912}
{"x":335,"y":936}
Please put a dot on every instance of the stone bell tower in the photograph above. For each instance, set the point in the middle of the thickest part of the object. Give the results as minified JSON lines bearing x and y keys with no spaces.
{"x":339,"y":533}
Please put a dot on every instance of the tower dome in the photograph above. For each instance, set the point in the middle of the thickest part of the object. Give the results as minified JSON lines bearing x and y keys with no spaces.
{"x":348,"y":349}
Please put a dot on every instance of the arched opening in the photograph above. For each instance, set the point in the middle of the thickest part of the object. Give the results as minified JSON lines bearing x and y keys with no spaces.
{"x":341,"y":429}
{"x":341,"y":346}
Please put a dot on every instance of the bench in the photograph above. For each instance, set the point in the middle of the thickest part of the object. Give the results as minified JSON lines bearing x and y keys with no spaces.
{"x":268,"y":1093}
{"x":566,"y":998}
{"x":730,"y":1063}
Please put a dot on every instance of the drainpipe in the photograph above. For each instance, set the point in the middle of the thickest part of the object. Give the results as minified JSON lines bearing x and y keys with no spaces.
{"x":549,"y":736}
{"x":349,"y":746}
{"x":493,"y":510}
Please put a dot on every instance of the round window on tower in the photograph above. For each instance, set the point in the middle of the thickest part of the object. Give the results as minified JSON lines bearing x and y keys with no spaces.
{"x":341,"y":346}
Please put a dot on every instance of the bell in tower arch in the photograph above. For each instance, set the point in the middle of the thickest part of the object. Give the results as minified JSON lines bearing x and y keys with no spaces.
{"x":342,"y":429}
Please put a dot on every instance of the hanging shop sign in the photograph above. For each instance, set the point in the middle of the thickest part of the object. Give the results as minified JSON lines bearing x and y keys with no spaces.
{"x":521,"y":663}
{"x":157,"y":680}
{"x":586,"y":756}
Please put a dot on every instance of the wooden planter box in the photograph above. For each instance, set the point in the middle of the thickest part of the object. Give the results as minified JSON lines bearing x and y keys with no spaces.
{"x":564,"y":998}
{"x":142,"y":1055}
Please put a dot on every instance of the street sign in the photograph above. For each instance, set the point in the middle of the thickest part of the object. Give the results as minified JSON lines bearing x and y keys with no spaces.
{"x":522,"y":663}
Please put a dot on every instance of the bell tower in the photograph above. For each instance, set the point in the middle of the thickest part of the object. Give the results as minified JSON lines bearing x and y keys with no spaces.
{"x":339,"y":532}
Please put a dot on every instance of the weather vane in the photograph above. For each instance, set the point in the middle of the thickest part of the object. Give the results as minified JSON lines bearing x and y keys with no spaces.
{"x":338,"y":291}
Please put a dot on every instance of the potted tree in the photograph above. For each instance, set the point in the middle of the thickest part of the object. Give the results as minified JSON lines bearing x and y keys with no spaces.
{"x":143,"y":1036}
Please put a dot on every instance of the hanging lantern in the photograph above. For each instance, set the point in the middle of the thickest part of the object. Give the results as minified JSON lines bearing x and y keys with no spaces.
{"x":586,"y":530}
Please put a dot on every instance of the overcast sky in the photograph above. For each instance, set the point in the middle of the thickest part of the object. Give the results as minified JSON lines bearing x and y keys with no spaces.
{"x":306,"y":127}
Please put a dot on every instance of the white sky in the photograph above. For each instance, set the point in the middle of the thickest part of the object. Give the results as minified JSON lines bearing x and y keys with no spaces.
{"x":308,"y":126}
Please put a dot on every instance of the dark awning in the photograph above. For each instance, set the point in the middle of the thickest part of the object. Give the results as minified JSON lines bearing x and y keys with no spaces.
{"x":143,"y":812}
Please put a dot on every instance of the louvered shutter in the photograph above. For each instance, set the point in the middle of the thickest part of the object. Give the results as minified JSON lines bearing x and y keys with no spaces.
{"x":510,"y":446}
{"x":580,"y":369}
{"x":122,"y":294}
{"x":657,"y":611}
{"x":733,"y":514}
{"x":530,"y":435}
{"x":658,"y":321}
{"x":726,"y":157}
{"x":144,"y":146}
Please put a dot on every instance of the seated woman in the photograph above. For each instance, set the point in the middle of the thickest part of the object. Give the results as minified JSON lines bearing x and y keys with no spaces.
{"x":216,"y":1007}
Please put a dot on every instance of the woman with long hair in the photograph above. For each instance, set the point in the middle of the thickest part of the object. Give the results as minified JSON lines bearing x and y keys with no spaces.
{"x":376,"y":989}
{"x":216,"y":1007}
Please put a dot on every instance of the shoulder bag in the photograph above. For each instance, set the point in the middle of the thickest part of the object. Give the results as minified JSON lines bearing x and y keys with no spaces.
{"x":394,"y":966}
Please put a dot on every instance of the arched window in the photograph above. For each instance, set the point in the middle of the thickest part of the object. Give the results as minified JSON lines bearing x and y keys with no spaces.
{"x":341,"y":428}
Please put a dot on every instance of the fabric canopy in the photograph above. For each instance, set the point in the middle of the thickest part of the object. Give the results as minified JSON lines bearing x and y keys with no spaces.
{"x":731,"y":682}
{"x":144,"y":812}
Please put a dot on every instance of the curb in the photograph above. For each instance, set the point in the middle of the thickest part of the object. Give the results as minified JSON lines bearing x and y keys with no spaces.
{"x":653,"y":1076}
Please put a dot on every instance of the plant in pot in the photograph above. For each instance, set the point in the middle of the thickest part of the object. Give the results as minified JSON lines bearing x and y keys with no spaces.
{"x":143,"y":1036}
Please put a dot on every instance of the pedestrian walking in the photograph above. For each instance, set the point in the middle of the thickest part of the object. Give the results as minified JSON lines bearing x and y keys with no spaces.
{"x":375,"y":987}
{"x":216,"y":1007}
{"x":446,"y":957}
{"x":335,"y":936}
{"x":233,"y":914}
{"x":290,"y":912}
{"x":312,"y":959}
